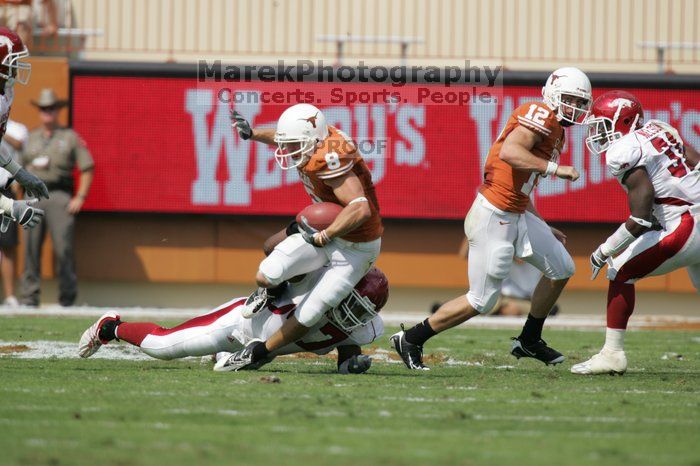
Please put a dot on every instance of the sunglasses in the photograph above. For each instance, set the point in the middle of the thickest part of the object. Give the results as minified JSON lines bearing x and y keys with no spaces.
{"x":49,"y":109}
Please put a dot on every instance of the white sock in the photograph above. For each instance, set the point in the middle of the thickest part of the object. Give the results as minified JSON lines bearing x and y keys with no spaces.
{"x":614,"y":339}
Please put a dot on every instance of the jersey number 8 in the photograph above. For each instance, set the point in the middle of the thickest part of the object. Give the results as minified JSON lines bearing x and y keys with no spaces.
{"x":333,"y":160}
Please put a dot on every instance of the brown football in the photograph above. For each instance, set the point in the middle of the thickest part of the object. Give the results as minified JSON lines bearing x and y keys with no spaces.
{"x":320,"y":215}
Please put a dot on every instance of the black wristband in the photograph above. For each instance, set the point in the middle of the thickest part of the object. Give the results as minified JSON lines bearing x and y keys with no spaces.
{"x":292,"y":228}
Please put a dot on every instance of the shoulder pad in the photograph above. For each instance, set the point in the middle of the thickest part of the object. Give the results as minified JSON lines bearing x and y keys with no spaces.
{"x":537,"y":117}
{"x":624,"y":155}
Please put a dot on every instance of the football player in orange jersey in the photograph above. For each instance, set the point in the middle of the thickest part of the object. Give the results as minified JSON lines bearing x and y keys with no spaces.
{"x":331,"y":170}
{"x":502,"y":222}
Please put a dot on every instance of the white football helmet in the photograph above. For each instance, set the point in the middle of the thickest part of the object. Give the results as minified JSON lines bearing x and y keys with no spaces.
{"x":299,"y":129}
{"x":570,"y":82}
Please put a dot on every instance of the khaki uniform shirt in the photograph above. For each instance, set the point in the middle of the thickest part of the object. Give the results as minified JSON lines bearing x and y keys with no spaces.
{"x":54,"y":159}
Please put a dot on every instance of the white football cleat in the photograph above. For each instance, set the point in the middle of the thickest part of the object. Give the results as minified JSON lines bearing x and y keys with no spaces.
{"x":605,"y":362}
{"x":90,"y":340}
{"x":254,"y":303}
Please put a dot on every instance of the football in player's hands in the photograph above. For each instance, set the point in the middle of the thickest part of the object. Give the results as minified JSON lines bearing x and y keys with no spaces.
{"x":320,"y":215}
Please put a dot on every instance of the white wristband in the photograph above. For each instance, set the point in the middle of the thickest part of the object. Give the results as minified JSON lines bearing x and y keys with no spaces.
{"x":358,"y":199}
{"x":641,"y":222}
{"x":617,"y":242}
{"x":551,"y":168}
{"x":6,"y":205}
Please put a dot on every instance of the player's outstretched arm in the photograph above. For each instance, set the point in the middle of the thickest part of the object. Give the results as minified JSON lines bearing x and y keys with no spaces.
{"x":245,"y":131}
{"x":516,"y":152}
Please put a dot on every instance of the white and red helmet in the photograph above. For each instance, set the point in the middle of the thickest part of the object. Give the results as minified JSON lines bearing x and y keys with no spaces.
{"x":613,"y":115}
{"x":12,"y":51}
{"x":299,"y":129}
{"x":366,"y":300}
{"x":562,"y":87}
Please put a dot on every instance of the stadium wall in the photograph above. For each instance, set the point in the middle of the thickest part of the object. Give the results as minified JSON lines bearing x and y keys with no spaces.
{"x":145,"y":239}
{"x":599,"y":35}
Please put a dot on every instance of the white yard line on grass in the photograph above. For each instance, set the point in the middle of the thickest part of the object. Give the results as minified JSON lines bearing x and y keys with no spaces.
{"x":566,"y":321}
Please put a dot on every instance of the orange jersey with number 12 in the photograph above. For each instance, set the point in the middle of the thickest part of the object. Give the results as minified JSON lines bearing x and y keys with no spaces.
{"x":337,"y":156}
{"x":506,"y":187}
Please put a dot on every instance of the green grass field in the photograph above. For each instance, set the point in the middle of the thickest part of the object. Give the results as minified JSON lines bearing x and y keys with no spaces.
{"x":477,"y":406}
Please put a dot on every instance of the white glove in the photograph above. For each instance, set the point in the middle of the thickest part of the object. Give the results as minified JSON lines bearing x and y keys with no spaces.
{"x":598,"y":261}
{"x":21,"y":212}
{"x":358,"y":364}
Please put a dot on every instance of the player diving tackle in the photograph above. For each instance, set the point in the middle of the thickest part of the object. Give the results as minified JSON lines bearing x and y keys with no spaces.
{"x":353,"y":323}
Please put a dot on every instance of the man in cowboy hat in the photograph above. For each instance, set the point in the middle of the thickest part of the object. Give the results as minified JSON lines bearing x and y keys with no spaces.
{"x":51,"y":153}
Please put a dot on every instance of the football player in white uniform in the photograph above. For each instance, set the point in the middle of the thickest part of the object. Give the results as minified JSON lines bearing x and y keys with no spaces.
{"x":13,"y":69}
{"x":661,"y":176}
{"x":332,"y":170}
{"x":353,"y":323}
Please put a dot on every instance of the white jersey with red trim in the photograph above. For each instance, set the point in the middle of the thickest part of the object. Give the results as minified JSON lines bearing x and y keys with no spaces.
{"x":659,"y":149}
{"x":320,"y":339}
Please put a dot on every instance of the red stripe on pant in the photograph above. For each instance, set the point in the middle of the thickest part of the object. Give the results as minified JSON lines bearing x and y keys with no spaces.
{"x":136,"y":332}
{"x":649,"y":260}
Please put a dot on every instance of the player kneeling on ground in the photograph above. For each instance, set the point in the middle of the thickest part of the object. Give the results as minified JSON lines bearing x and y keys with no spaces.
{"x":662,"y":179}
{"x":348,"y":326}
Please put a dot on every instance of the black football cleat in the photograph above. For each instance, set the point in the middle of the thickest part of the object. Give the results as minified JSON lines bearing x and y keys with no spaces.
{"x":242,"y":360}
{"x":536,"y":350}
{"x":412,"y":355}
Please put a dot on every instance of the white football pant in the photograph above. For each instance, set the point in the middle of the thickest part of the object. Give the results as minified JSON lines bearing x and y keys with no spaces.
{"x":346,"y":263}
{"x":495,"y":237}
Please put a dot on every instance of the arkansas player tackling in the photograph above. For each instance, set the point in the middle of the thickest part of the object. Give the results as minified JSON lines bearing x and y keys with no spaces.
{"x":661,"y":176}
{"x":14,"y":69}
{"x":353,"y":323}
{"x":331,"y":170}
{"x":502,"y":222}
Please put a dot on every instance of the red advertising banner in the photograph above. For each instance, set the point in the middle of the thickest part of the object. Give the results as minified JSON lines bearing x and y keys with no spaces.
{"x":166,"y":145}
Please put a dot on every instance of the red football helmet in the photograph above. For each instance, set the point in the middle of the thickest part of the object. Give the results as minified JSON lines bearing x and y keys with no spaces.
{"x":364,"y":303}
{"x":613,"y":115}
{"x":12,"y":50}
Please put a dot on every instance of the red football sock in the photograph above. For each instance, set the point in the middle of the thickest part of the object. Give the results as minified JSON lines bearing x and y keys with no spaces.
{"x":134,"y":333}
{"x":620,"y":304}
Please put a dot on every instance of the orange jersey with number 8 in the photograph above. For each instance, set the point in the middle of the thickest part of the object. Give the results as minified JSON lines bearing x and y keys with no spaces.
{"x":506,"y":187}
{"x":337,"y":156}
